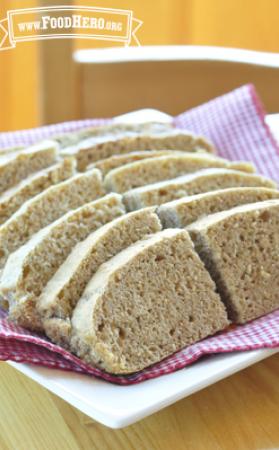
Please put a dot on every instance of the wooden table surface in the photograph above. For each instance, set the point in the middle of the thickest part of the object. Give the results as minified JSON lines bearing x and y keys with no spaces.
{"x":237,"y":413}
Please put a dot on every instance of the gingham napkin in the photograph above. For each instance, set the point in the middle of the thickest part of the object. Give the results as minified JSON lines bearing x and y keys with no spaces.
{"x":235,"y":124}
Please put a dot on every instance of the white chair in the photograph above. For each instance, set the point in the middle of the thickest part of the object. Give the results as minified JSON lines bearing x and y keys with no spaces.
{"x":112,"y":81}
{"x":170,"y":78}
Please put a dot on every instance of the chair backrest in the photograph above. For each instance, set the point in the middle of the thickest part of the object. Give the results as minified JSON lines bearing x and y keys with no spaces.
{"x":170,"y":78}
{"x":111,"y":81}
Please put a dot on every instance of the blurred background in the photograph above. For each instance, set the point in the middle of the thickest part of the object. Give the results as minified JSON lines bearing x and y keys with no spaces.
{"x":40,"y":84}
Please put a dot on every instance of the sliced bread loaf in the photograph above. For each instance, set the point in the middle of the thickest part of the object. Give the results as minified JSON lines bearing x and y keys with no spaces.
{"x":103,"y":146}
{"x":147,"y":302}
{"x":46,"y":207}
{"x":16,"y":166}
{"x":240,"y":249}
{"x":182,"y":212}
{"x":148,"y":171}
{"x":14,"y":197}
{"x":29,"y":268}
{"x":112,"y":129}
{"x":63,"y":291}
{"x":198,"y":182}
{"x":115,"y":161}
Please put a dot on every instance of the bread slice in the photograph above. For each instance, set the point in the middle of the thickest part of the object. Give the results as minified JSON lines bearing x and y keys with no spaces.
{"x":29,"y":268}
{"x":182,"y":212}
{"x":63,"y":291}
{"x":104,"y":146}
{"x":112,"y":129}
{"x":13,"y":198}
{"x":46,"y":207}
{"x":7,"y":150}
{"x":16,"y":166}
{"x":240,"y":248}
{"x":115,"y":161}
{"x":148,"y":171}
{"x":147,"y":302}
{"x":191,"y":184}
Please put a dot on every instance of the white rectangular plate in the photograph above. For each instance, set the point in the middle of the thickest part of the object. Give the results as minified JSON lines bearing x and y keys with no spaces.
{"x":119,"y":406}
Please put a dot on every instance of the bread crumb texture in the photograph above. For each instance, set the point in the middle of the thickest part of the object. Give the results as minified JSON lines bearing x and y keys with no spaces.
{"x":195,"y":183}
{"x":46,"y":207}
{"x":63,"y":291}
{"x":240,"y":249}
{"x":147,"y":302}
{"x":29,"y":268}
{"x":148,"y":171}
{"x":182,"y":212}
{"x":101,"y":147}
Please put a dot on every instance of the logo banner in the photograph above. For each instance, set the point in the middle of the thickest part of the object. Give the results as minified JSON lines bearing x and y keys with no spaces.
{"x":55,"y":22}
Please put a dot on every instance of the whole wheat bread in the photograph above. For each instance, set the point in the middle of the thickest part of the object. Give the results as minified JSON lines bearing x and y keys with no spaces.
{"x":29,"y":268}
{"x":111,"y":129}
{"x":149,"y":171}
{"x":13,"y":198}
{"x":198,"y":182}
{"x":102,"y":147}
{"x":240,"y":249}
{"x":63,"y":291}
{"x":115,"y":161}
{"x":46,"y":207}
{"x":182,"y":212}
{"x":152,"y":299}
{"x":16,"y":166}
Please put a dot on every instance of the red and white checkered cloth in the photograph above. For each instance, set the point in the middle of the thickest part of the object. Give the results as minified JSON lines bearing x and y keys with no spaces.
{"x":235,"y":124}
